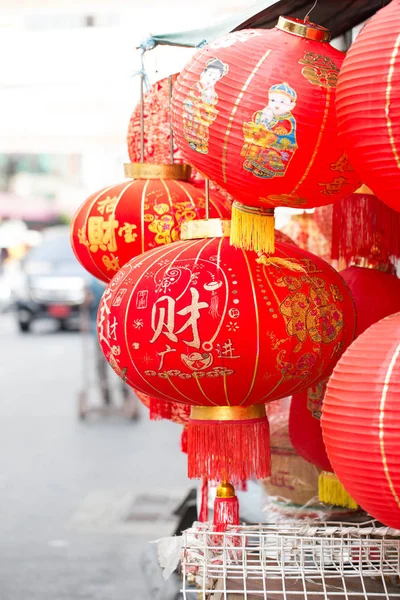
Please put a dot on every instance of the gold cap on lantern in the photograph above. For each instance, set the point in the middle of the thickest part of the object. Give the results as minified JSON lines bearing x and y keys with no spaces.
{"x":225,"y":490}
{"x":304,"y":29}
{"x":155,"y":171}
{"x":205,"y":228}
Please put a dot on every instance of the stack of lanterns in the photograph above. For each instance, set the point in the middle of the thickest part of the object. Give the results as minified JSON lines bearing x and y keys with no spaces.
{"x":225,"y":326}
{"x":227,"y":330}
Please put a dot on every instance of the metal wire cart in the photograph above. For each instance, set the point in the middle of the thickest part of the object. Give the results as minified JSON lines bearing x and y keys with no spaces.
{"x":297,"y":561}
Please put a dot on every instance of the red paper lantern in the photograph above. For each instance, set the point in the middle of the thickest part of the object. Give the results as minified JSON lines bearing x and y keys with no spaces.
{"x":255,"y":112}
{"x":202,"y":323}
{"x":361,"y":420}
{"x":368,"y":104}
{"x":376,"y":295}
{"x":124,"y":220}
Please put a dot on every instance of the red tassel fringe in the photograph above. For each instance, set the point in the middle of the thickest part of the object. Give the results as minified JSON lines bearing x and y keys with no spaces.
{"x":364,"y":226}
{"x":203,"y":515}
{"x":160,"y":409}
{"x":226,"y":512}
{"x":184,"y":440}
{"x":237,"y":450}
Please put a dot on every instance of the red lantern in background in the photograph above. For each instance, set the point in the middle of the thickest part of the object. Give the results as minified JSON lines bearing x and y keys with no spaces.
{"x":124,"y":220}
{"x":365,"y":229}
{"x":376,"y":295}
{"x":202,"y":323}
{"x":157,"y":127}
{"x":361,"y":420}
{"x":368,"y":104}
{"x":255,"y":112}
{"x":157,"y":132}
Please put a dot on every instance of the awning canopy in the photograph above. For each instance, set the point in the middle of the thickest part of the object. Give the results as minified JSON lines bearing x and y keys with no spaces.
{"x":339,"y":16}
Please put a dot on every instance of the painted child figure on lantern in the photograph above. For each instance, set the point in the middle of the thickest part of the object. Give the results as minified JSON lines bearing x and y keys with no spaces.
{"x":199,"y":110}
{"x":270,"y":138}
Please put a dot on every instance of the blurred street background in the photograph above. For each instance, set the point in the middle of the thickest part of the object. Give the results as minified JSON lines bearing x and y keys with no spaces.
{"x":79,"y":500}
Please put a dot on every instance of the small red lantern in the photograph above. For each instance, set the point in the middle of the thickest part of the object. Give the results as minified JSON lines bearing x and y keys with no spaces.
{"x":376,"y":295}
{"x":368,"y":104}
{"x":124,"y":220}
{"x":255,"y":112}
{"x":361,"y":420}
{"x":217,"y":328}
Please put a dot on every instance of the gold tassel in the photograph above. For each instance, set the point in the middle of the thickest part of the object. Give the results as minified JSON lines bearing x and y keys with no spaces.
{"x":275,"y":261}
{"x":253,"y":228}
{"x":331,"y":491}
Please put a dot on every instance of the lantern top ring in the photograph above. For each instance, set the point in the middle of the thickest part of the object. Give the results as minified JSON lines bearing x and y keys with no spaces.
{"x":305,"y":29}
{"x":154,"y":171}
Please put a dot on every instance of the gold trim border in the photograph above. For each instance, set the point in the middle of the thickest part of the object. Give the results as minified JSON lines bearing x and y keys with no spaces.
{"x":304,"y":29}
{"x":227,"y":413}
{"x":154,"y":171}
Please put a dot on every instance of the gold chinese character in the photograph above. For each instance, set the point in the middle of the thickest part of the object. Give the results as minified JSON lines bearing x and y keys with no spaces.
{"x":127,"y":232}
{"x":332,"y":187}
{"x":107,"y":205}
{"x":101,"y":234}
{"x":111,"y":264}
{"x":82,"y":236}
{"x":342,"y":164}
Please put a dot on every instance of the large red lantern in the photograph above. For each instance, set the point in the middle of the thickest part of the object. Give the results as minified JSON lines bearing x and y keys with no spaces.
{"x":122,"y":221}
{"x":255,"y":112}
{"x":361,"y":420}
{"x":376,"y":295}
{"x":203,"y":323}
{"x":368,"y":104}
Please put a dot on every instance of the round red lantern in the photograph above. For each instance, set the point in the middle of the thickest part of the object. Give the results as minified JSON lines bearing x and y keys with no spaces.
{"x":124,"y":220}
{"x":376,"y":295}
{"x":217,"y":328}
{"x":255,"y":112}
{"x":368,"y":104}
{"x":361,"y":420}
